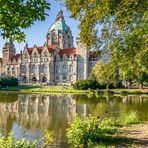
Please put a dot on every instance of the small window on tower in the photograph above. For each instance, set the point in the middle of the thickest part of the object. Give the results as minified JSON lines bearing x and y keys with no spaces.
{"x":35,"y":54}
{"x":25,"y":55}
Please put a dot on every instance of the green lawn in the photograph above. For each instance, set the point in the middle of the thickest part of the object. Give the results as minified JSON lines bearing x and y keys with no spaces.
{"x":45,"y":89}
{"x":69,"y":89}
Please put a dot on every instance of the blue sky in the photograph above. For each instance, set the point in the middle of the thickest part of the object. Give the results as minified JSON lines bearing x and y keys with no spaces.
{"x":37,"y":33}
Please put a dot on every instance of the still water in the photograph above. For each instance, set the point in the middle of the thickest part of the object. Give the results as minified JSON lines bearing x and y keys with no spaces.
{"x":28,"y":115}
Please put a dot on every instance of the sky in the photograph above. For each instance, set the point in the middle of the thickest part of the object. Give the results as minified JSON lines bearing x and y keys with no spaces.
{"x":36,"y":34}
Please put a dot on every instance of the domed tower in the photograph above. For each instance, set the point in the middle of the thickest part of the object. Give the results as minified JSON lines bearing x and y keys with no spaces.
{"x":9,"y":51}
{"x":59,"y":33}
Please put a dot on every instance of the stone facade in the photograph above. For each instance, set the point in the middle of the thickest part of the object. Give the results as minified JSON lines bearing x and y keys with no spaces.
{"x":56,"y":62}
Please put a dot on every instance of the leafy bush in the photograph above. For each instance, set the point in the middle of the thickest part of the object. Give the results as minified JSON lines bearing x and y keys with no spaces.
{"x":89,"y":131}
{"x":87,"y":84}
{"x":131,"y":118}
{"x":14,"y":142}
{"x":8,"y":81}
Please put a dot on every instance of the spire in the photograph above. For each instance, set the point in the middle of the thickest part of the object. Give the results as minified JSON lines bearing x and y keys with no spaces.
{"x":60,"y":16}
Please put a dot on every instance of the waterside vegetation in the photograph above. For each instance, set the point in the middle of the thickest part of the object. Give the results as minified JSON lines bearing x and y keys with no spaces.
{"x":91,"y":131}
{"x":69,"y":89}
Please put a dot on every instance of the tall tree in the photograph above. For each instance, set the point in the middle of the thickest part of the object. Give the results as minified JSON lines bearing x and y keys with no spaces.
{"x":104,"y":73}
{"x":16,"y":15}
{"x":130,"y":51}
{"x":122,"y":13}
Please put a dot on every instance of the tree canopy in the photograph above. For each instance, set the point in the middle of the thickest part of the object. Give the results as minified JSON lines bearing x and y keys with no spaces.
{"x":120,"y":14}
{"x":104,"y":73}
{"x":16,"y":15}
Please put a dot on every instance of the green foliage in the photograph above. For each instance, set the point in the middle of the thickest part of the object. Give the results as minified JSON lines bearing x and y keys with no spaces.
{"x":87,"y":84}
{"x":131,"y":118}
{"x":104,"y":72}
{"x":90,"y":130}
{"x":129,"y":51}
{"x":119,"y":14}
{"x":13,"y":142}
{"x":16,"y":15}
{"x":8,"y":81}
{"x":123,"y":33}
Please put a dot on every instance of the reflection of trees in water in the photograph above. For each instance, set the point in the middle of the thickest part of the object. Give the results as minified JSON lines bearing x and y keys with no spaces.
{"x":5,"y":97}
{"x":114,"y":106}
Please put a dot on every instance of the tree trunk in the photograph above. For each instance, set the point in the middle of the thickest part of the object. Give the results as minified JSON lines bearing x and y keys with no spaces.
{"x":85,"y":145}
{"x":129,"y":84}
{"x":107,"y":87}
{"x":141,"y":85}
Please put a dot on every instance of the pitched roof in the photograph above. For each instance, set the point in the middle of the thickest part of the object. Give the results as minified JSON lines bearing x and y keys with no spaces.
{"x":51,"y":48}
{"x":68,"y":52}
{"x":16,"y":57}
{"x":29,"y":50}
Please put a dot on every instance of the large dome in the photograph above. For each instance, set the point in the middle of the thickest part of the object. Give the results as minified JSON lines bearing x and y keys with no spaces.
{"x":59,"y":24}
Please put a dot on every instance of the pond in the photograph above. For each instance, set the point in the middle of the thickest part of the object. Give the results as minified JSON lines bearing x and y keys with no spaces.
{"x":29,"y":115}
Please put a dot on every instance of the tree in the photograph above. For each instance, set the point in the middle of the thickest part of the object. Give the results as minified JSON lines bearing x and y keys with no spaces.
{"x":129,"y":51}
{"x":122,"y":14}
{"x":104,"y":73}
{"x":16,"y":15}
{"x":8,"y":81}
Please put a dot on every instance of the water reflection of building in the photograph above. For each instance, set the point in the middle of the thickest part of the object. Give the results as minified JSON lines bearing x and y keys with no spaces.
{"x":35,"y":112}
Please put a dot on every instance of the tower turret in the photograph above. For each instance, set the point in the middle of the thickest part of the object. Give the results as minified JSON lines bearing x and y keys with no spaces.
{"x":60,"y":33}
{"x":9,"y":51}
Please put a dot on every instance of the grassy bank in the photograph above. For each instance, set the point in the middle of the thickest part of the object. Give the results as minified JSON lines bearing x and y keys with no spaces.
{"x":125,"y":131}
{"x":69,"y":89}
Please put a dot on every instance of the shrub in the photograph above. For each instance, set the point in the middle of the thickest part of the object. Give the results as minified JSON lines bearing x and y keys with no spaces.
{"x":87,"y":84}
{"x":14,"y":142}
{"x":89,"y":131}
{"x":8,"y":81}
{"x":131,"y":118}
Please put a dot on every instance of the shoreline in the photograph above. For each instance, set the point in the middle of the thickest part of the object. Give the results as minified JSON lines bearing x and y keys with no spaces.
{"x":70,"y":90}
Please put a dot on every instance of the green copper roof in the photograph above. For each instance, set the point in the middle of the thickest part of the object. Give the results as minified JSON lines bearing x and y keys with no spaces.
{"x":59,"y":25}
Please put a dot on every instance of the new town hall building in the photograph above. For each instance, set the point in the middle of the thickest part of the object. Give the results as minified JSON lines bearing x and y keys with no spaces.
{"x":56,"y":62}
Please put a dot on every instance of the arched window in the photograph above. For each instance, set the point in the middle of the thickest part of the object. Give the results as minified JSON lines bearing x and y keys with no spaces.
{"x":70,"y":68}
{"x":57,"y":70}
{"x":64,"y":57}
{"x":25,"y":79}
{"x":25,"y":55}
{"x":34,"y":69}
{"x":57,"y":77}
{"x":35,"y":54}
{"x":13,"y":70}
{"x":24,"y":68}
{"x":64,"y":69}
{"x":44,"y":68}
{"x":45,"y":54}
{"x":64,"y":77}
{"x":44,"y":79}
{"x":34,"y":79}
